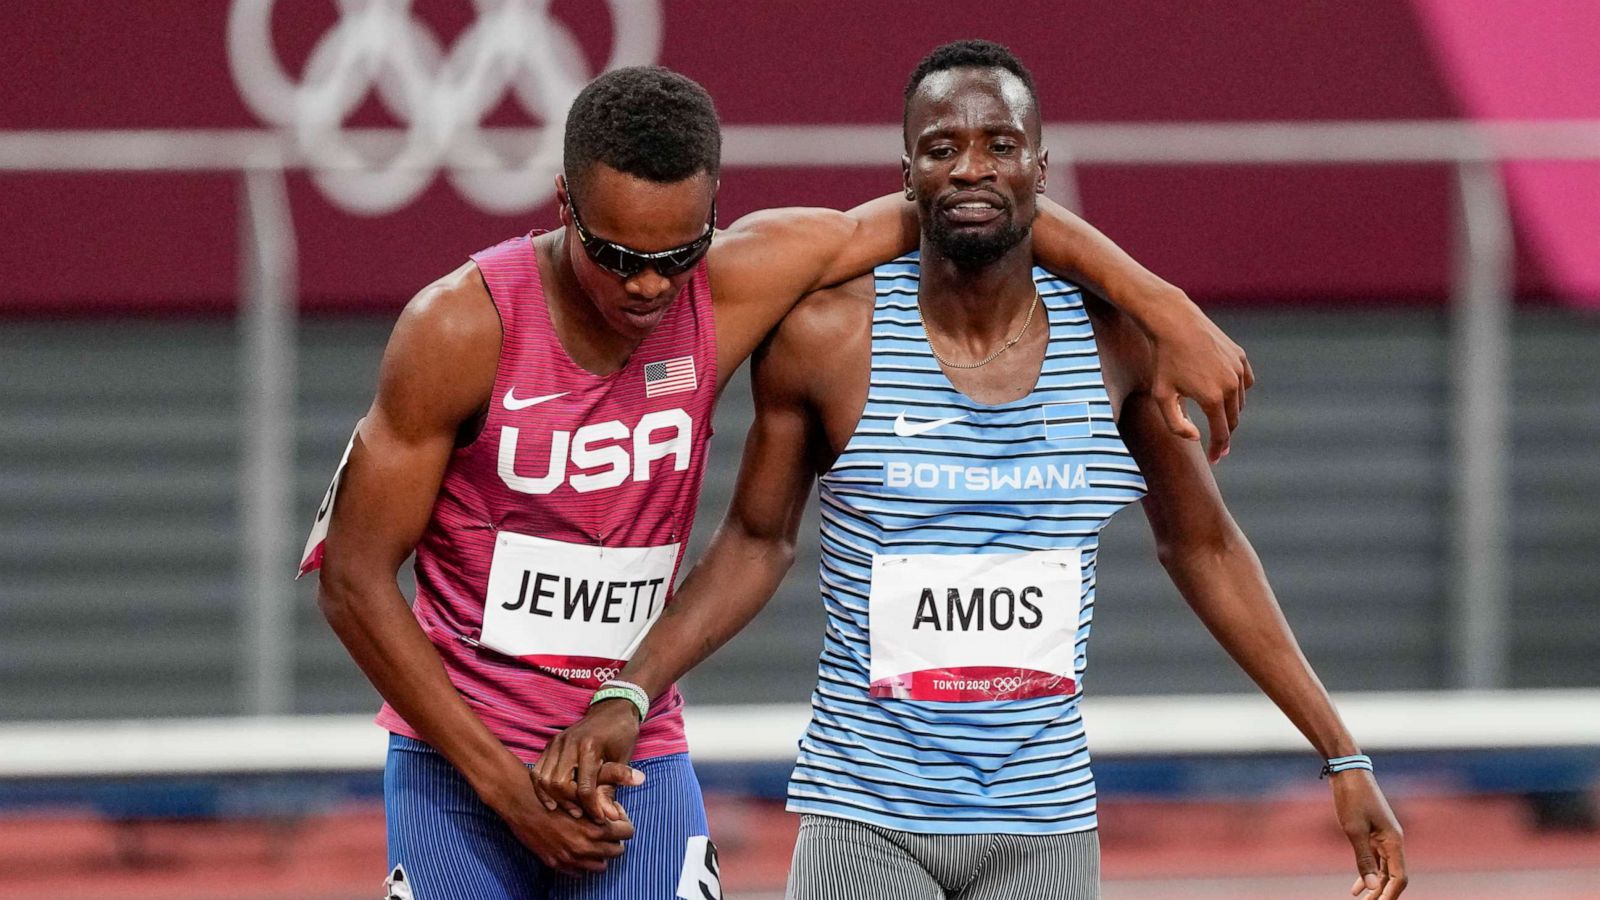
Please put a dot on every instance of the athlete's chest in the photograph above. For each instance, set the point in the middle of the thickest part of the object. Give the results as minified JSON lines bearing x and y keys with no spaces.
{"x":645,"y":424}
{"x":555,"y":429}
{"x":938,"y":456}
{"x":1009,"y":376}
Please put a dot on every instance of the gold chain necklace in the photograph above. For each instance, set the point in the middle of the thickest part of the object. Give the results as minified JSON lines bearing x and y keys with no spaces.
{"x":987,"y":359}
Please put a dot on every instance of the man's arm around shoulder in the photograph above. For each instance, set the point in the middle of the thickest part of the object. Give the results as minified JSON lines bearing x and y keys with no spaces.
{"x":1192,"y":356}
{"x":766,"y":261}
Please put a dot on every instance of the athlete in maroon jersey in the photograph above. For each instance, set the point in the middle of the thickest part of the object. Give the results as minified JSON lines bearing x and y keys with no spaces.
{"x":538,"y":439}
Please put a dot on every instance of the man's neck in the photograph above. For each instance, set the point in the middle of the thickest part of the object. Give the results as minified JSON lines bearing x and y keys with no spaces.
{"x":979,"y":305}
{"x":584,"y":334}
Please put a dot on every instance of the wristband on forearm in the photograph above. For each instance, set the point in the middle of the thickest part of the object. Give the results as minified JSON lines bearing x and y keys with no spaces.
{"x":1345,"y":763}
{"x":624,"y":690}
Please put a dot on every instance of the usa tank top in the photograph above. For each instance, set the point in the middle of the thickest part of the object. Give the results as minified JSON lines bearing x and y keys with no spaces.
{"x":558,"y":532}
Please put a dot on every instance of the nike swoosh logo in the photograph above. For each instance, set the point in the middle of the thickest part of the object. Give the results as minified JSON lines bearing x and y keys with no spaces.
{"x":905,"y":429}
{"x":513,"y":404}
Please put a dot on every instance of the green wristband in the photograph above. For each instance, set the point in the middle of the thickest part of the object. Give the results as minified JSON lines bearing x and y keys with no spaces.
{"x":641,"y":703}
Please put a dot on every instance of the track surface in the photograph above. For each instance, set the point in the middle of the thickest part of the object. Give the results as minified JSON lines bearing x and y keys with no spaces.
{"x":1270,"y":850}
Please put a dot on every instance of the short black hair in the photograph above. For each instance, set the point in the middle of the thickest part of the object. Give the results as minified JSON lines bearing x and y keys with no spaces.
{"x":647,"y":121}
{"x":974,"y":54}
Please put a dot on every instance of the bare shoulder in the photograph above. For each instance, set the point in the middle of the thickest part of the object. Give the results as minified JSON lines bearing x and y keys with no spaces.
{"x":782,"y":219}
{"x":818,"y":342}
{"x":825,"y":323}
{"x":760,"y":266}
{"x":453,"y":313}
{"x":440,"y":363}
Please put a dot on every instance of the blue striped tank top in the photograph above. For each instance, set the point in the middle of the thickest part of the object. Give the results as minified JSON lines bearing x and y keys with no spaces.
{"x":958,"y":539}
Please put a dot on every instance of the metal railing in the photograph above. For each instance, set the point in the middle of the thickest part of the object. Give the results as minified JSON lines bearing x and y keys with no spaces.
{"x":1480,"y":323}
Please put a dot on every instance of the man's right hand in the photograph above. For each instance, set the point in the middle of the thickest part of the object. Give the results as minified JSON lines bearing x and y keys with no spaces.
{"x":579,"y":768}
{"x":562,"y":842}
{"x":567,"y":844}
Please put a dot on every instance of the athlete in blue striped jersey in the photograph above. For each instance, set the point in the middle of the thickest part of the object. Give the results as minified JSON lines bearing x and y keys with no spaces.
{"x":973,"y":423}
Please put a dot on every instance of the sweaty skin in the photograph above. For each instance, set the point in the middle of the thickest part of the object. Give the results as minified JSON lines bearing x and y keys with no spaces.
{"x":810,"y":381}
{"x":438,"y":371}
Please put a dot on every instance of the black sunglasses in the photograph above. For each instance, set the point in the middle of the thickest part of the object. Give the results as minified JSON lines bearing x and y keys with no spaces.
{"x":626,"y":263}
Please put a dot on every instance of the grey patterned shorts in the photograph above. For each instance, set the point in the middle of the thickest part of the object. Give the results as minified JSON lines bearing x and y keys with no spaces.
{"x":837,"y":859}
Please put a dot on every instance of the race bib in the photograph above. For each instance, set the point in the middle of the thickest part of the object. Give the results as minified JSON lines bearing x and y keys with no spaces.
{"x":576,"y":609}
{"x":311,"y":556}
{"x":701,"y":875}
{"x":990,"y":626}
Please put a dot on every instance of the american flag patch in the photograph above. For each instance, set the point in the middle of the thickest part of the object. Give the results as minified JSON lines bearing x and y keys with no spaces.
{"x":669,"y":376}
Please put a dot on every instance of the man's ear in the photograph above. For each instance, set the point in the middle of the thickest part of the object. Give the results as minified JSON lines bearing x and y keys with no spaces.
{"x":563,"y":200}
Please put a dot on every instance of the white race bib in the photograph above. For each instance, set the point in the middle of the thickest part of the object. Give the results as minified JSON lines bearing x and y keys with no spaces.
{"x":987,"y":626}
{"x":311,"y":556}
{"x":701,"y":875}
{"x":575,"y":608}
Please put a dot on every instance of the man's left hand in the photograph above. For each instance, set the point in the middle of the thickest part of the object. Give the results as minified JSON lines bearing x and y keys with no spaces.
{"x":1195,"y":359}
{"x":1374,"y":833}
{"x":581,"y":765}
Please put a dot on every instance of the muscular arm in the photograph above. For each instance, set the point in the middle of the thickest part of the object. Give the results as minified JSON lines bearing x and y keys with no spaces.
{"x":384,"y":503}
{"x":1219,"y":575}
{"x":765,"y":262}
{"x":437,"y":372}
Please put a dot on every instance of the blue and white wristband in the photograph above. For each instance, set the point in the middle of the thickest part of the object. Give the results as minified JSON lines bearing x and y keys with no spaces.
{"x":1346,"y":763}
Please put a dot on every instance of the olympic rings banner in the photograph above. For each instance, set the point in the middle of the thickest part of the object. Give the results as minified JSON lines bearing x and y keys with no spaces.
{"x":430,"y":128}
{"x":512,"y":49}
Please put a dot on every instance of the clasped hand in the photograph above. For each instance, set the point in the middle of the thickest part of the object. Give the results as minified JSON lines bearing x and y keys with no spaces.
{"x":581,"y":768}
{"x":571,"y":819}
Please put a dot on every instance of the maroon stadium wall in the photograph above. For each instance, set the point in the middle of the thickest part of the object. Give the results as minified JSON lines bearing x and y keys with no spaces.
{"x":167,"y":242}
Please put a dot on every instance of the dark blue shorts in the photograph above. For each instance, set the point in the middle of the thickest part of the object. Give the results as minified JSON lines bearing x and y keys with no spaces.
{"x":445,"y":844}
